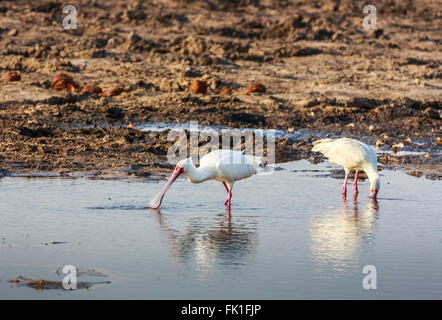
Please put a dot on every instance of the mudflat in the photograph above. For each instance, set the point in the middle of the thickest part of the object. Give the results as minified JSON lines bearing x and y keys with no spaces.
{"x":72,"y":101}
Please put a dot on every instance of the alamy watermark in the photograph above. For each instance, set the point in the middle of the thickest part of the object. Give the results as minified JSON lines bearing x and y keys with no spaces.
{"x":258,"y":143}
{"x":370,"y":281}
{"x":70,"y":281}
{"x":70,"y":21}
{"x":369,"y":21}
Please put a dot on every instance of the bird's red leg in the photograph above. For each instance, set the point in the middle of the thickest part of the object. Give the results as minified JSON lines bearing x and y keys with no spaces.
{"x":355,"y":183}
{"x":229,"y":200}
{"x":344,"y":187}
{"x":228,"y":193}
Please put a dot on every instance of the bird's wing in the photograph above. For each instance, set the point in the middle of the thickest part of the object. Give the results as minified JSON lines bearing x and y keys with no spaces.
{"x":230,"y":164}
{"x":210,"y":159}
{"x":345,"y":152}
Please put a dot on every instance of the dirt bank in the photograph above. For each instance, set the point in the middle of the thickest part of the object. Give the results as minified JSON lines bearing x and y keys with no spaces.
{"x":132,"y":63}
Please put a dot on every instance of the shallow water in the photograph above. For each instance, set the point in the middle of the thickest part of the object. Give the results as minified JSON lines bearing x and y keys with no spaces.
{"x":291,"y":235}
{"x":278,"y":133}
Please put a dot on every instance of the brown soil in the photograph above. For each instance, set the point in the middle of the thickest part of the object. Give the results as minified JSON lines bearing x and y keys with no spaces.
{"x":133,"y":62}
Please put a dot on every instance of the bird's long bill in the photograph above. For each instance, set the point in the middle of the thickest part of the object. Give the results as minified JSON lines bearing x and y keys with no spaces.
{"x":156,"y":201}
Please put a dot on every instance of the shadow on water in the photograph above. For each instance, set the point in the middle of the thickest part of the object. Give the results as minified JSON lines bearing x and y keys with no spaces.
{"x":210,"y":240}
{"x":340,"y":237}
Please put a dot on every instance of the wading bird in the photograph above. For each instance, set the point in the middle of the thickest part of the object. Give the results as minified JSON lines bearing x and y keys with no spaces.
{"x":224,"y":165}
{"x":352,"y":155}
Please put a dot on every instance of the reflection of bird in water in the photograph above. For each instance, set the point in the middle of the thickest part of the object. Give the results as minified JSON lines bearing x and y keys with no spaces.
{"x":209,"y":242}
{"x":339,"y":237}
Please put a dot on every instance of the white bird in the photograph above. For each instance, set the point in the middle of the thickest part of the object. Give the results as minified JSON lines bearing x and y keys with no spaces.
{"x":224,"y":165}
{"x":352,"y":155}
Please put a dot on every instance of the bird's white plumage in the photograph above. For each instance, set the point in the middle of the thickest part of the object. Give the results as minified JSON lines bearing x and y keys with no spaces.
{"x":225,"y":165}
{"x":229,"y":165}
{"x":352,"y":155}
{"x":348,"y":153}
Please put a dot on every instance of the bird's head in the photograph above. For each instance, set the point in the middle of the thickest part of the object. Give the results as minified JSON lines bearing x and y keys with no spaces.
{"x":375,"y":185}
{"x":184,"y":165}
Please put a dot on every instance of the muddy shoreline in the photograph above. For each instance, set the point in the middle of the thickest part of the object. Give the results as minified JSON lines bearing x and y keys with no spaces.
{"x":323,"y":74}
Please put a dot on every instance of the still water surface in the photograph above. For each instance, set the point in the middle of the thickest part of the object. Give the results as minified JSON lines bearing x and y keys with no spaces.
{"x":291,"y":236}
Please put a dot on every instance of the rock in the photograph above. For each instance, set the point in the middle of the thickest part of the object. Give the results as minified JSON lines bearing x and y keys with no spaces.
{"x":12,"y":76}
{"x":225,"y":90}
{"x":114,"y":91}
{"x":63,"y":81}
{"x":91,"y":89}
{"x":198,"y":86}
{"x":256,"y":87}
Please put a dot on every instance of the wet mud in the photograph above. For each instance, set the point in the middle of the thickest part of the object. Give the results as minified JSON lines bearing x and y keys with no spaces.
{"x":71,"y":100}
{"x":41,"y":284}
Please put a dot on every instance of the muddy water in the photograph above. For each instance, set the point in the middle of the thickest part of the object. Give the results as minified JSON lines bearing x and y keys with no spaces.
{"x":291,"y":235}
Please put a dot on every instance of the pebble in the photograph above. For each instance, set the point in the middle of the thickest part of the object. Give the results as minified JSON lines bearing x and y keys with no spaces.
{"x":198,"y":86}
{"x":63,"y":81}
{"x":225,"y":90}
{"x":256,"y":87}
{"x":12,"y":76}
{"x":91,"y":89}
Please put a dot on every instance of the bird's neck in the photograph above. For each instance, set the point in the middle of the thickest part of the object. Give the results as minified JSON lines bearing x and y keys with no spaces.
{"x":373,"y":176}
{"x":197,"y":175}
